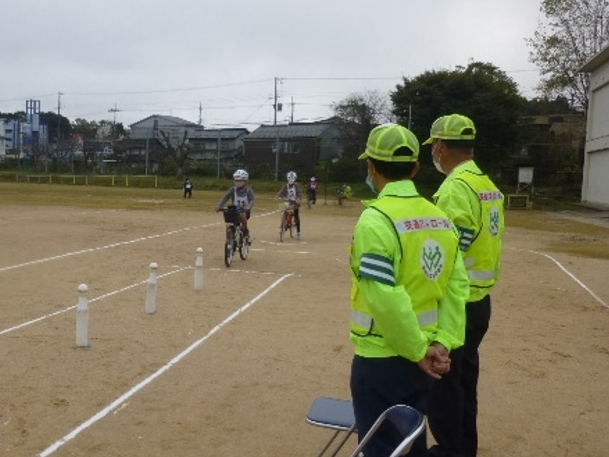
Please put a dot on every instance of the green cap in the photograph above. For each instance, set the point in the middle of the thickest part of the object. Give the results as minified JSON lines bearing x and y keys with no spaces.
{"x":385,"y":139}
{"x":452,"y":127}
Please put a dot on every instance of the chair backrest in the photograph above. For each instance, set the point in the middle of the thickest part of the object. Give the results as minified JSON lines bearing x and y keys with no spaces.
{"x":409,"y":422}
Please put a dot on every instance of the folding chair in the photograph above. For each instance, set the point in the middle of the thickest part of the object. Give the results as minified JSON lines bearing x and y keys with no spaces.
{"x":338,"y":415}
{"x":335,"y":414}
{"x":409,"y":422}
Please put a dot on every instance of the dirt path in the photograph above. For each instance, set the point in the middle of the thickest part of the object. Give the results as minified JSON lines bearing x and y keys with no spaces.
{"x":163,"y":385}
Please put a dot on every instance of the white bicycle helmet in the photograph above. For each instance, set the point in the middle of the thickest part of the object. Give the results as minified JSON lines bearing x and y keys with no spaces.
{"x":240,"y":175}
{"x":313,"y":179}
{"x":291,"y":177}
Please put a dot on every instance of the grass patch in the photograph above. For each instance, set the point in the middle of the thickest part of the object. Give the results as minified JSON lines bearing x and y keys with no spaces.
{"x":576,"y":237}
{"x":151,"y":199}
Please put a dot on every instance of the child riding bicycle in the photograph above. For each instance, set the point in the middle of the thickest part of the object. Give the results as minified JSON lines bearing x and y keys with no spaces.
{"x":241,"y":196}
{"x":290,"y":192}
{"x":312,"y":190}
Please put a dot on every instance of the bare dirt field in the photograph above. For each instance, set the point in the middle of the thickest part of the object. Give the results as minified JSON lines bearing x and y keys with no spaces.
{"x":231,"y":370}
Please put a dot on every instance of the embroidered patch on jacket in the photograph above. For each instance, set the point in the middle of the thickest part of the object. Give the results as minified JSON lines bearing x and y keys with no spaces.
{"x":432,"y":258}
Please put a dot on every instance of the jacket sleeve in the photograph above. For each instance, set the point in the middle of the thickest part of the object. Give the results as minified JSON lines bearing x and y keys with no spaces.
{"x":250,"y":196}
{"x":451,"y":308}
{"x":462,"y":206}
{"x":226,"y":197}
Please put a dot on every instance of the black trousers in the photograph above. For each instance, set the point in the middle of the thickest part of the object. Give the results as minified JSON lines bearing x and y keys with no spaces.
{"x":377,"y":384}
{"x":453,"y":401}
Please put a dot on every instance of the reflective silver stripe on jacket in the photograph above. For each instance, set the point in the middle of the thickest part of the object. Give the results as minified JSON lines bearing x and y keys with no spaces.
{"x":362,"y":320}
{"x":428,"y":318}
{"x":481,"y":275}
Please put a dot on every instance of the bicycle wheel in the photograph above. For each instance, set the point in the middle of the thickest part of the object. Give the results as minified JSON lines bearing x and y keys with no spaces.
{"x":244,"y":246}
{"x":229,"y":246}
{"x":291,"y":224}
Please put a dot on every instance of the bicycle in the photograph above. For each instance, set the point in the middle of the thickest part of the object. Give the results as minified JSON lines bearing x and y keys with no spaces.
{"x":235,"y":240}
{"x":287,"y":219}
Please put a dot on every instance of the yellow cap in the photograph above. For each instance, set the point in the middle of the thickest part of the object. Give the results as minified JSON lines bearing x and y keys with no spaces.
{"x":452,"y":127}
{"x":385,"y":139}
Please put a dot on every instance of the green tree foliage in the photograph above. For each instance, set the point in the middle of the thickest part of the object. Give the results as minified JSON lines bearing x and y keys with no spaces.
{"x":480,"y":91}
{"x":542,"y":105}
{"x":358,"y":114}
{"x":87,"y":128}
{"x":51,"y":120}
{"x":575,"y":31}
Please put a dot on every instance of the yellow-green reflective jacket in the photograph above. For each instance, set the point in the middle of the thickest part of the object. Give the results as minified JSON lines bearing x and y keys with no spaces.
{"x":475,"y":205}
{"x":409,"y":282}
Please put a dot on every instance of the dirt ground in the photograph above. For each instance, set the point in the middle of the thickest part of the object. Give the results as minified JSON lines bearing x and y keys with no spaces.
{"x":232,"y":369}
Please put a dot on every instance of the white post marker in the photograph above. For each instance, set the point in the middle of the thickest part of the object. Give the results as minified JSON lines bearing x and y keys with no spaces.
{"x":199,"y":269}
{"x":82,"y":317}
{"x":151,"y":294}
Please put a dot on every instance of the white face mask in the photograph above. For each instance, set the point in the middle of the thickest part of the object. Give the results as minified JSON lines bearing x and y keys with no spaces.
{"x":436,"y":164}
{"x":371,"y":184}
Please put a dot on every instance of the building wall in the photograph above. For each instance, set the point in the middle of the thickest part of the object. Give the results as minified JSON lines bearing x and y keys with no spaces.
{"x":296,"y":153}
{"x":595,"y":188}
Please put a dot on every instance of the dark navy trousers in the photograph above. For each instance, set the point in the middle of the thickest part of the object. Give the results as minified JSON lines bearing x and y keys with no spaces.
{"x":453,"y":401}
{"x":377,"y":384}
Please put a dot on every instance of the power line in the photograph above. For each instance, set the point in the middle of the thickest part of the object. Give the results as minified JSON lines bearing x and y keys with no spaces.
{"x":164,"y":91}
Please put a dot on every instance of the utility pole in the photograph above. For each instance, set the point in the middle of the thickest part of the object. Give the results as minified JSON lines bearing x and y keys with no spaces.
{"x":59,"y":94}
{"x":113,"y":111}
{"x":276,"y":107}
{"x":200,"y":114}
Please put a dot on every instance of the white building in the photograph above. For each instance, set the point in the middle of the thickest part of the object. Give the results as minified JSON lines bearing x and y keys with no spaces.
{"x":595,"y":187}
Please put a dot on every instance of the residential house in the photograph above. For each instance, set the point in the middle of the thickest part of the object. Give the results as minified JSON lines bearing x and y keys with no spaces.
{"x":549,"y":144}
{"x":595,"y":187}
{"x":152,"y":138}
{"x":298,"y":146}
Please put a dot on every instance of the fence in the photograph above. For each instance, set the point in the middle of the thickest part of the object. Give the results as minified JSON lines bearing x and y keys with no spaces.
{"x":94,"y":180}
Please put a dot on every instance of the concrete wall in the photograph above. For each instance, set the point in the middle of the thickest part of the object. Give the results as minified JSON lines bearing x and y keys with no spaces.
{"x":595,"y":188}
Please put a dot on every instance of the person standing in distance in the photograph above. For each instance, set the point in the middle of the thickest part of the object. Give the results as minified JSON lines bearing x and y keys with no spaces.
{"x":242,"y":196}
{"x":312,"y":190}
{"x":475,"y":206}
{"x":187,"y":188}
{"x":409,"y":287}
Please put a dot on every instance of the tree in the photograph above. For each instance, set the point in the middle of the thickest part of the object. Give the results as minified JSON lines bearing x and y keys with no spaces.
{"x":575,"y":31}
{"x":178,"y":147}
{"x":358,"y":114}
{"x":542,"y":105}
{"x":480,"y":91}
{"x":86,"y":128}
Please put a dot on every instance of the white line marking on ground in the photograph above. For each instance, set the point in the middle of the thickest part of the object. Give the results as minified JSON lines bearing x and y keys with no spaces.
{"x":120,"y":400}
{"x":115,"y":245}
{"x":109,"y":294}
{"x":571,"y":275}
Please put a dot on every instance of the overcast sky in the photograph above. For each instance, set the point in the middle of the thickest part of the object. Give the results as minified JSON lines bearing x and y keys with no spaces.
{"x":144,"y":57}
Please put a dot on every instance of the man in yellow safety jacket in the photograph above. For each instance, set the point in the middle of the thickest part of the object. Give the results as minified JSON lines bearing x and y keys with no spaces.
{"x":475,"y":206}
{"x":409,"y":288}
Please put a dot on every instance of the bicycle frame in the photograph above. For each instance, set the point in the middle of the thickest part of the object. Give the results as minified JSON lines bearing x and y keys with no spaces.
{"x":235,"y":239}
{"x":287,"y":220}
